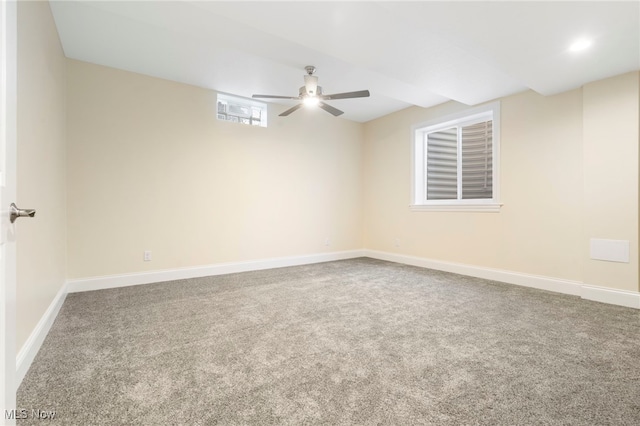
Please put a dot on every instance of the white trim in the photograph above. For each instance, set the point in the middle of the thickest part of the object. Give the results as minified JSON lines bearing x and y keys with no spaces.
{"x":491,"y":110}
{"x":30,"y":349}
{"x":123,"y":280}
{"x":8,"y":108}
{"x":489,"y":207}
{"x":527,"y":280}
{"x":472,"y":114}
{"x":630,"y":299}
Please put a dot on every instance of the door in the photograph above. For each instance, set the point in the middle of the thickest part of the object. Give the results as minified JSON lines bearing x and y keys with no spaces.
{"x":8,"y":22}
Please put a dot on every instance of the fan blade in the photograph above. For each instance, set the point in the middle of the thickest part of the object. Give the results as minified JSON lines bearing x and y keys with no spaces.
{"x":276,"y":97}
{"x":330,"y":109}
{"x":346,"y":95}
{"x":290,"y":110}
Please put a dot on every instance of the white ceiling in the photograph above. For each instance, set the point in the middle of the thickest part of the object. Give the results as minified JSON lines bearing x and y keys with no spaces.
{"x":405,"y":53}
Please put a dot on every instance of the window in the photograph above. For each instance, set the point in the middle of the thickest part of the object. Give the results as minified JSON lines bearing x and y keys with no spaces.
{"x":240,"y":110}
{"x":455,"y":162}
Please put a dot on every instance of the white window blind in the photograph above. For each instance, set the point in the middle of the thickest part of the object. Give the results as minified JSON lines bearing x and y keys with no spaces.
{"x":442,"y":165}
{"x":477,"y":161}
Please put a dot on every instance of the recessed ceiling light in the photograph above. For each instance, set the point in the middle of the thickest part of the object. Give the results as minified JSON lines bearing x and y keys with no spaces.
{"x":580,"y":44}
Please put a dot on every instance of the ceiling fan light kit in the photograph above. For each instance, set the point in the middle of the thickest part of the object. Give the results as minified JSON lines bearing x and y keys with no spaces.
{"x":311,"y":101}
{"x":311,"y":95}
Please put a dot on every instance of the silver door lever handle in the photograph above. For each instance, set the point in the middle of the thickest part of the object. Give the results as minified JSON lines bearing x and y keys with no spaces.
{"x":16,"y":212}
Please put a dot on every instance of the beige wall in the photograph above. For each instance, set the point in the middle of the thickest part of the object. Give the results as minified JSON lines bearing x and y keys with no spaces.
{"x":550,"y":204}
{"x":611,"y":120}
{"x":151,"y":168}
{"x":41,"y":241}
{"x":541,"y":220}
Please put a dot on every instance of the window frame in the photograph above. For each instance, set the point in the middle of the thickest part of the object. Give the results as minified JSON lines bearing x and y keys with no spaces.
{"x":419,"y":201}
{"x":241,"y":102}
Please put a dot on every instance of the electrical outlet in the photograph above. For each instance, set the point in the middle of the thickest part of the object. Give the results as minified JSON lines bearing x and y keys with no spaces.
{"x":327,"y":242}
{"x":396,"y":242}
{"x":147,"y":255}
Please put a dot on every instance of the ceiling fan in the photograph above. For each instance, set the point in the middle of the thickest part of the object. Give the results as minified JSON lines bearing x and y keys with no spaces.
{"x":311,"y":94}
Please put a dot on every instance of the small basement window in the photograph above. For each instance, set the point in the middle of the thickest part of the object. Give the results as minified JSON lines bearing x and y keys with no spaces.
{"x":241,"y":110}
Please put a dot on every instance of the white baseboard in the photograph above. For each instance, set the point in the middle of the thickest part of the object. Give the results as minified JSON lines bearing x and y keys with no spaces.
{"x":576,"y":288}
{"x":630,"y":299}
{"x":113,"y":281}
{"x":30,"y":349}
{"x":526,"y":280}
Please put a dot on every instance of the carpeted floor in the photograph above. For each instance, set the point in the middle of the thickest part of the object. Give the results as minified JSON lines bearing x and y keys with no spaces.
{"x":350,"y":342}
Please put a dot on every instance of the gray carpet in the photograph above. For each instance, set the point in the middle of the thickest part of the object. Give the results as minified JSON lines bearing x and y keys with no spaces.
{"x":350,"y":342}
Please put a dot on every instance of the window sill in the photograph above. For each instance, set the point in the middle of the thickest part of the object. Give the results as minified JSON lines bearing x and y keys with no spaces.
{"x":490,"y":208}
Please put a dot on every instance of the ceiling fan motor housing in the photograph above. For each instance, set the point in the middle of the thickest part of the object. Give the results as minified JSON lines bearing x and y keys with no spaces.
{"x":311,"y":83}
{"x":303,"y":92}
